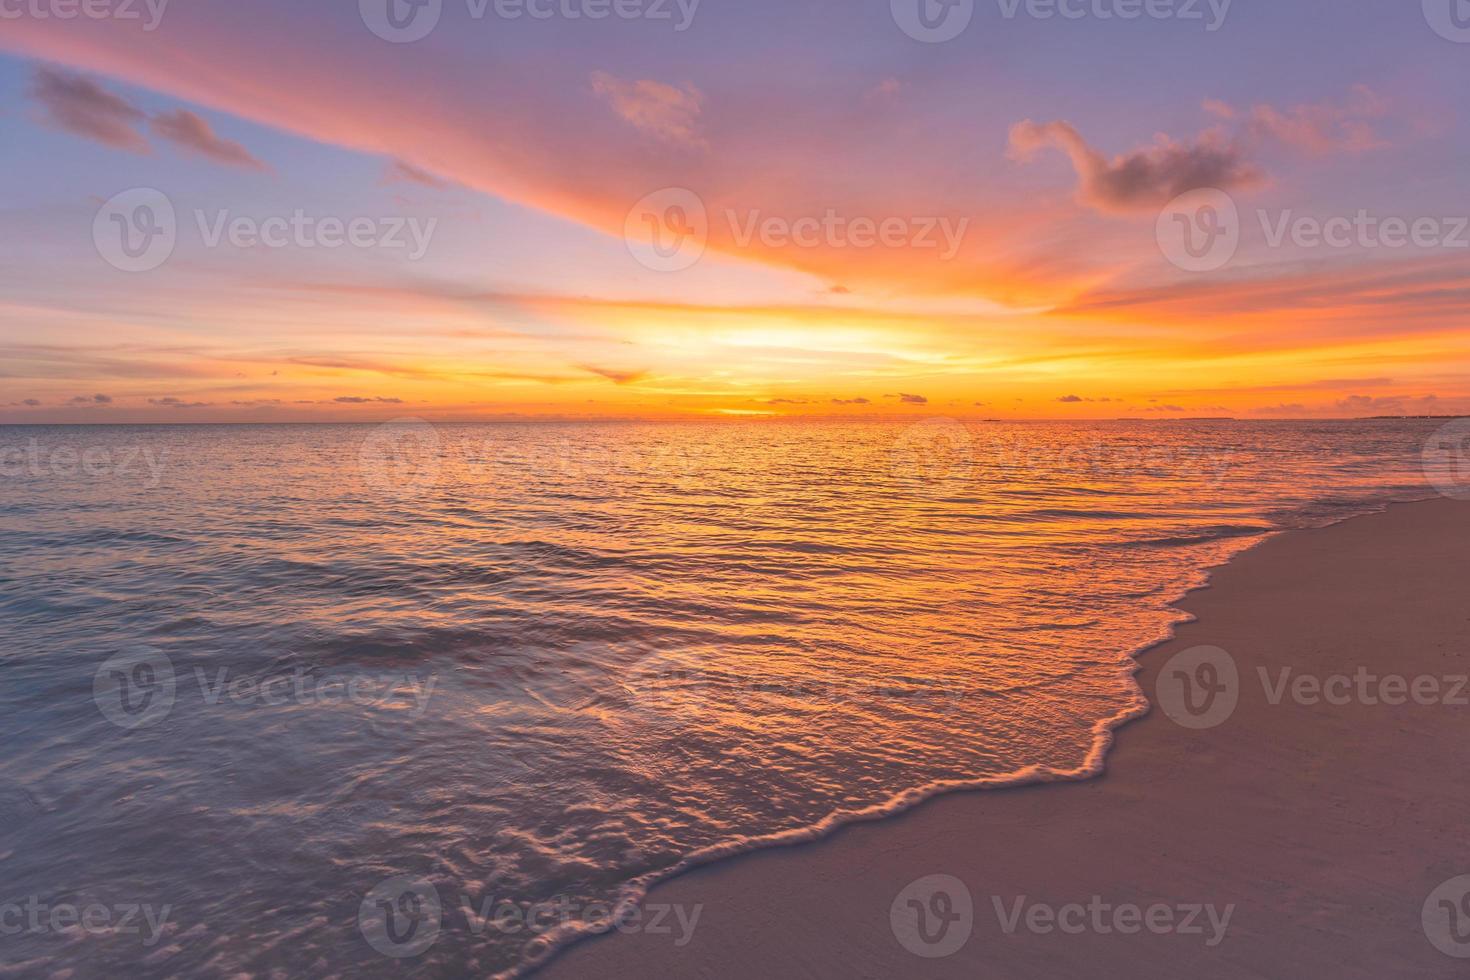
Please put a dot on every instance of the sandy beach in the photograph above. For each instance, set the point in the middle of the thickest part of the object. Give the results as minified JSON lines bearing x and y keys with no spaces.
{"x":1300,"y":833}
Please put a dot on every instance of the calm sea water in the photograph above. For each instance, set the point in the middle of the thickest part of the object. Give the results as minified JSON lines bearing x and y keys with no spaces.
{"x":313,"y":700}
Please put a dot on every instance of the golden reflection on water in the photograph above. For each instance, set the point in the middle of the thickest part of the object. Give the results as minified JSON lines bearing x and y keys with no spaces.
{"x":643,"y":640}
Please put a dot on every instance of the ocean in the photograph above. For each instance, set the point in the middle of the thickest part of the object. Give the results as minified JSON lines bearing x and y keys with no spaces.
{"x":365,"y":699}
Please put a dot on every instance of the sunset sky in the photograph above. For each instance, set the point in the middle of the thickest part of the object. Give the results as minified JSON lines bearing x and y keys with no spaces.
{"x":1020,"y":169}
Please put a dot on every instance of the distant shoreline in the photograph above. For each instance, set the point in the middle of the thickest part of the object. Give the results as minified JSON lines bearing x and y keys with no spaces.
{"x":726,"y":420}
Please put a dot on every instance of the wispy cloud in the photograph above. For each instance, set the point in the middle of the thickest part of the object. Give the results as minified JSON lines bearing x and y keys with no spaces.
{"x":668,"y":112}
{"x":1320,"y":128}
{"x":80,"y":106}
{"x":191,"y":133}
{"x":1220,"y":157}
{"x":172,"y":402}
{"x":614,"y":375}
{"x":1141,"y":178}
{"x":400,"y":172}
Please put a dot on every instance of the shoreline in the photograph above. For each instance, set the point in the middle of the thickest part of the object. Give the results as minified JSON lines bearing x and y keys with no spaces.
{"x":736,"y":897}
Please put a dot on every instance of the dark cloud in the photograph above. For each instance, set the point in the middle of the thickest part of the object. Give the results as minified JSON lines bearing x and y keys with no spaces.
{"x":359,"y":400}
{"x":1219,"y":157}
{"x":911,"y":399}
{"x":78,"y":105}
{"x":193,"y":134}
{"x":851,"y":401}
{"x":1144,"y":178}
{"x":1070,"y":399}
{"x":172,"y":402}
{"x":1396,"y":405}
{"x":91,"y":400}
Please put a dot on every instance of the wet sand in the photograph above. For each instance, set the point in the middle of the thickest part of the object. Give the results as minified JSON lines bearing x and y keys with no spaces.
{"x":1322,"y":822}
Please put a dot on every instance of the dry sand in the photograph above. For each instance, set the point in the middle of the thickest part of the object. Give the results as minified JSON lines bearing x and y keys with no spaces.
{"x":1326,"y":826}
